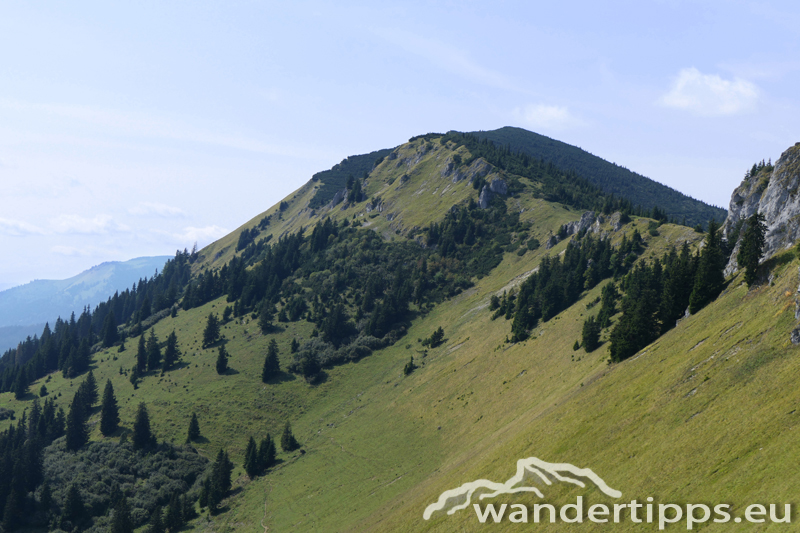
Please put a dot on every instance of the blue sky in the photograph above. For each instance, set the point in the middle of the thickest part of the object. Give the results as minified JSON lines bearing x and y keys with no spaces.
{"x":130,"y":130}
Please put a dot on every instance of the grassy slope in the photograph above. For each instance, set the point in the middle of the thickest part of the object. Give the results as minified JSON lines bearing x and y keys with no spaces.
{"x":380,"y":447}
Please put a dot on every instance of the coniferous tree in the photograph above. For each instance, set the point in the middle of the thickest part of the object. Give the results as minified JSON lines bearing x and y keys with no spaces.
{"x":122,"y":522}
{"x":251,"y":463}
{"x":288,"y":442}
{"x":590,"y":337}
{"x":709,"y":279}
{"x":74,"y":509}
{"x":142,"y":435}
{"x":156,"y":521}
{"x":141,"y":356}
{"x":174,"y":521}
{"x":194,"y":429}
{"x":266,"y":453}
{"x":171,"y":352}
{"x":153,"y":352}
{"x":752,"y":247}
{"x":294,"y":346}
{"x":266,"y":312}
{"x":219,"y":482}
{"x":109,"y":414}
{"x":88,"y":389}
{"x":77,"y":433}
{"x":222,"y":360}
{"x":271,"y":364}
{"x":211,"y":331}
{"x":110,"y":335}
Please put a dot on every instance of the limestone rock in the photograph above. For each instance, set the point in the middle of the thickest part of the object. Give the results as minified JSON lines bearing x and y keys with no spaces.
{"x":584,"y":223}
{"x":776,"y":195}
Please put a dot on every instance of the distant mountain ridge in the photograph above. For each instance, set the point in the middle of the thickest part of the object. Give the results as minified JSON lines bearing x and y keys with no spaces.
{"x":610,"y":177}
{"x":45,"y":300}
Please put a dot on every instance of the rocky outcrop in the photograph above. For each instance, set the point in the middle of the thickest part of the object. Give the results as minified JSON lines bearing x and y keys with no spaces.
{"x":337,"y":198}
{"x":586,"y":221}
{"x":497,"y":186}
{"x":776,"y":195}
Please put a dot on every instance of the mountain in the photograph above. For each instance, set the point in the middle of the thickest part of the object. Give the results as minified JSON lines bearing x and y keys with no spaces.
{"x":610,"y":177}
{"x":41,"y":301}
{"x":396,"y":409}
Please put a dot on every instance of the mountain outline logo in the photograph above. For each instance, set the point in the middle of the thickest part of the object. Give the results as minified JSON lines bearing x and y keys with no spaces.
{"x":531,"y":468}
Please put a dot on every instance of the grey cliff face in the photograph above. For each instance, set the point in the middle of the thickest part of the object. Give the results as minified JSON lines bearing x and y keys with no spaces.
{"x":776,"y":195}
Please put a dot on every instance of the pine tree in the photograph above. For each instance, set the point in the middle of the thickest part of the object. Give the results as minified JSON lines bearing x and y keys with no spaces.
{"x":251,"y":463}
{"x":141,"y":356}
{"x":288,"y":442}
{"x":171,"y":353}
{"x":153,"y":352}
{"x":77,"y":433}
{"x":294,"y":346}
{"x":142,"y":436}
{"x":271,"y":365}
{"x":194,"y":429}
{"x":109,"y":414}
{"x":222,"y":360}
{"x":122,"y":522}
{"x":752,"y":247}
{"x":211,"y":332}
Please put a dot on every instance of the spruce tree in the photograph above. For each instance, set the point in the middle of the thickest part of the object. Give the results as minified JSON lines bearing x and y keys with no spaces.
{"x":109,"y":414}
{"x":142,"y":436}
{"x":266,"y":312}
{"x":153,"y":352}
{"x":110,"y":335}
{"x":266,"y":453}
{"x":251,"y":463}
{"x":590,"y":337}
{"x":294,"y":346}
{"x":211,"y":331}
{"x":288,"y":442}
{"x":141,"y":356}
{"x":77,"y":433}
{"x":74,"y":509}
{"x":271,"y":364}
{"x":88,"y":390}
{"x":171,"y":353}
{"x":156,"y":521}
{"x":709,"y":279}
{"x":222,"y":360}
{"x":194,"y":429}
{"x":173,"y":521}
{"x":122,"y":522}
{"x":752,"y":247}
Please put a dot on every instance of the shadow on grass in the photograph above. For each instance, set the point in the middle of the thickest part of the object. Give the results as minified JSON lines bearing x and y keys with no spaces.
{"x":283,"y":377}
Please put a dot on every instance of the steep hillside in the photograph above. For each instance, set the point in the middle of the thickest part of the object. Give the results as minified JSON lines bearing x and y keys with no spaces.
{"x":610,"y":177}
{"x":394,"y":418}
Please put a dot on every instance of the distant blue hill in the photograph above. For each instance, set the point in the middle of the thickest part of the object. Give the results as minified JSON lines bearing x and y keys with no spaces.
{"x":43,"y":301}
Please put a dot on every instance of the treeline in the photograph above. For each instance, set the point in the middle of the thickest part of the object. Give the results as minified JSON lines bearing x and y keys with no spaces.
{"x":68,"y":345}
{"x":558,"y":185}
{"x":557,"y":284}
{"x":658,"y":293}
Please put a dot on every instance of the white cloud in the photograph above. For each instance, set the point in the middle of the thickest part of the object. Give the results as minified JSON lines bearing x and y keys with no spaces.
{"x":548,"y":117}
{"x":709,"y":94}
{"x":99,"y":225}
{"x":156,"y":209}
{"x":18,"y":227}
